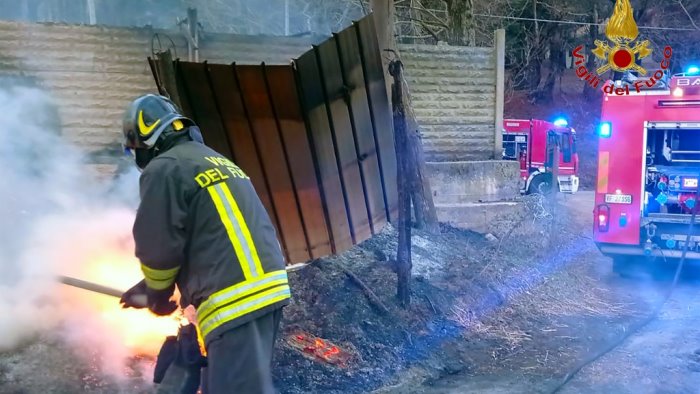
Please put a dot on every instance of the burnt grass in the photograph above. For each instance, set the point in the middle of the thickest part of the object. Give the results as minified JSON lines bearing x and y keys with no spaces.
{"x":328,"y":304}
{"x":517,"y":300}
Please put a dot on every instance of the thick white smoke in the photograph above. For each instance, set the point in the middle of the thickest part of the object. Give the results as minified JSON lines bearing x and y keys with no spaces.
{"x":56,"y":218}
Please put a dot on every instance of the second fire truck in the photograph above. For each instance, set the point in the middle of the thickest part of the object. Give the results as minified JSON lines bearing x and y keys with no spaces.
{"x":530,"y":142}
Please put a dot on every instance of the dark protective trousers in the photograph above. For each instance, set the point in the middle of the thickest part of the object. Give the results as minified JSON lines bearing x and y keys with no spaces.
{"x":240,"y":359}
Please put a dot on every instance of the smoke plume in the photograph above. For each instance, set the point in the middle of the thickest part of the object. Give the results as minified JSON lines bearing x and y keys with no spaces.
{"x":57,"y":218}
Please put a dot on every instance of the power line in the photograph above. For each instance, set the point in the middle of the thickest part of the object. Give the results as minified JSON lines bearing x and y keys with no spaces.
{"x":576,"y":23}
{"x":564,"y":22}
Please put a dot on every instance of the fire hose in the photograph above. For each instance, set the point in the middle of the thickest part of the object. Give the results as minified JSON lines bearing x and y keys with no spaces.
{"x":653,"y":316}
{"x":140,"y":300}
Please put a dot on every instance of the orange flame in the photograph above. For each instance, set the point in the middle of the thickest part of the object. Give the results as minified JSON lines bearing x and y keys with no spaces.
{"x":139,"y":331}
{"x":621,"y":27}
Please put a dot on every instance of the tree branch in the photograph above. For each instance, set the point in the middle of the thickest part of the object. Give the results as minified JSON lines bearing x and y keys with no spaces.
{"x":680,"y":3}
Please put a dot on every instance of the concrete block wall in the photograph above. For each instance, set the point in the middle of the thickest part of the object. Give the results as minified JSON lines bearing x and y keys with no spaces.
{"x":470,"y":194}
{"x":473,"y":181}
{"x":453,"y":95}
{"x":93,"y":72}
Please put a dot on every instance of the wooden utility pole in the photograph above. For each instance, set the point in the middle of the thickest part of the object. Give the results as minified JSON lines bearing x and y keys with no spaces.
{"x":192,"y":35}
{"x":421,"y":193}
{"x":92,"y":16}
{"x":403,"y":255}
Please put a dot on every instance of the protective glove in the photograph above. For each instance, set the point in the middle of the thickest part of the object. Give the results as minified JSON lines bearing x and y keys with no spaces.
{"x":159,"y":301}
{"x":135,"y":297}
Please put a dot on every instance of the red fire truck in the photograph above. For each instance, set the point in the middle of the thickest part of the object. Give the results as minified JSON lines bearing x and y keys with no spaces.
{"x":648,"y":171}
{"x":530,"y":141}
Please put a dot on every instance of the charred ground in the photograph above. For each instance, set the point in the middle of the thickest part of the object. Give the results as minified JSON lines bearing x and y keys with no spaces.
{"x":525,"y":299}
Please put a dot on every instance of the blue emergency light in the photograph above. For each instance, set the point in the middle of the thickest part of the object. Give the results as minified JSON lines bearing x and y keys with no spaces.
{"x":561,"y":122}
{"x":693,"y":70}
{"x":605,"y":129}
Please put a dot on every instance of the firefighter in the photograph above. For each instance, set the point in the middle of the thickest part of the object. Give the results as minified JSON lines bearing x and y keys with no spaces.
{"x":201,"y":226}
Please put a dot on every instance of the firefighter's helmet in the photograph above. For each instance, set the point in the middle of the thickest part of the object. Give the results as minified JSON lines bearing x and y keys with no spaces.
{"x":148,"y":117}
{"x":148,"y":120}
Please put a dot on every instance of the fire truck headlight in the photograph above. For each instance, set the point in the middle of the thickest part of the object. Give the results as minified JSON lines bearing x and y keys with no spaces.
{"x":605,"y":129}
{"x":677,"y":92}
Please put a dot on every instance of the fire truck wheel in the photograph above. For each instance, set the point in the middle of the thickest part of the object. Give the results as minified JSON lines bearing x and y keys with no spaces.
{"x":541,"y":184}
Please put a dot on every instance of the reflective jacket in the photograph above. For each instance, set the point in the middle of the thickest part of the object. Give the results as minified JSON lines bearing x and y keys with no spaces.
{"x":201,"y":225}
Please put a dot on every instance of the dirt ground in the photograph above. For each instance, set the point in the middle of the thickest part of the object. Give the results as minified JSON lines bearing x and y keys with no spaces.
{"x":663,"y":357}
{"x":511,"y":311}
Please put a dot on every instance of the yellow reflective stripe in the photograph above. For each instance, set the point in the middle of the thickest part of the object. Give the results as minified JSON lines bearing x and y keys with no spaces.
{"x":226,"y":220}
{"x":232,"y":293}
{"x":156,"y":274}
{"x":200,"y":340}
{"x":159,"y":279}
{"x":159,"y":284}
{"x":603,"y":172}
{"x":244,"y":228}
{"x":243,"y":307}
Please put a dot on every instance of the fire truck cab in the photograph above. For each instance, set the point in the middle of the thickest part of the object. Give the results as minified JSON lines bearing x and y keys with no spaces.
{"x":648,"y":172}
{"x":530,"y":142}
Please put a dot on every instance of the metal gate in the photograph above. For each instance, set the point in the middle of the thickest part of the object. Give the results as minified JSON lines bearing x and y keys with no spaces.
{"x":315,"y":136}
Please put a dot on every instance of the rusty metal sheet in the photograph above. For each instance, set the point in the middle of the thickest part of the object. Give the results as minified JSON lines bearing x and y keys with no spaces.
{"x":184,"y":98}
{"x":257,"y":102}
{"x":358,"y":106}
{"x":285,"y":102}
{"x":343,"y":139}
{"x":317,"y":141}
{"x":313,"y":104}
{"x":235,"y":121}
{"x":204,"y":108}
{"x":380,"y":109}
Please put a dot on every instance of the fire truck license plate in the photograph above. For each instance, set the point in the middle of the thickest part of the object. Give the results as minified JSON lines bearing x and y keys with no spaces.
{"x":618,"y":199}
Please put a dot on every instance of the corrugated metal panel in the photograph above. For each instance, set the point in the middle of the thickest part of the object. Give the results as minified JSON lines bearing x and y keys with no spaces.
{"x":244,"y":151}
{"x":380,"y":111}
{"x":321,"y":142}
{"x":453,"y":93}
{"x":204,"y":108}
{"x":343,"y":141}
{"x":272,"y":154}
{"x":310,"y":135}
{"x":361,"y":122}
{"x":298,"y":155}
